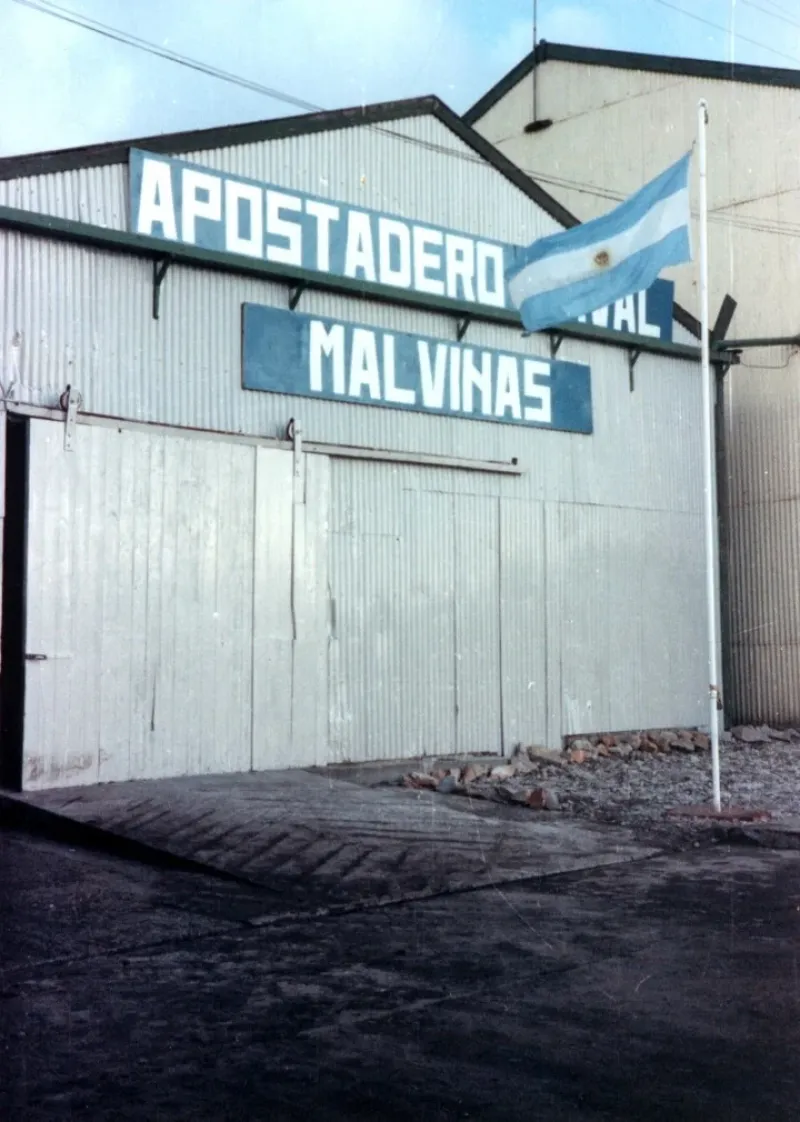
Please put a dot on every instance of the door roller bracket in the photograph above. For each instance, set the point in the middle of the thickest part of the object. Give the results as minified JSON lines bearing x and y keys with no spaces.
{"x":70,"y":401}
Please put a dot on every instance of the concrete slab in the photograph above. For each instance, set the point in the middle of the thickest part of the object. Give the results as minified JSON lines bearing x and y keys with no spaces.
{"x":321,"y":843}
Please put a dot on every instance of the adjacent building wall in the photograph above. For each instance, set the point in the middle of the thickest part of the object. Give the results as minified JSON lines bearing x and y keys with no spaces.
{"x":612,"y":130}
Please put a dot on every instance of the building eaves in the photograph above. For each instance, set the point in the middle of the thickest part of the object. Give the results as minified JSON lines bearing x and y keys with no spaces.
{"x":381,"y":114}
{"x":632,"y":60}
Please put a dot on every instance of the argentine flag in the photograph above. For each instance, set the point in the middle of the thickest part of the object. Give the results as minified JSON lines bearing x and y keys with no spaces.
{"x":566,"y":275}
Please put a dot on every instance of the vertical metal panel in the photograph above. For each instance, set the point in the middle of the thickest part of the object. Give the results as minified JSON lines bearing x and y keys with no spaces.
{"x":392,"y":652}
{"x":311,"y":615}
{"x":626,"y":636}
{"x":523,"y":624}
{"x":291,"y":611}
{"x":476,"y":594}
{"x":273,"y":630}
{"x":140,"y":595}
{"x":765,"y":634}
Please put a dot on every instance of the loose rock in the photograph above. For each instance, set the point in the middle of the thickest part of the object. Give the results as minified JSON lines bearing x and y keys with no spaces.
{"x":503,"y":771}
{"x":472,"y":772}
{"x":421,"y":781}
{"x":447,"y":785}
{"x":749,"y":735}
{"x":542,"y":798}
{"x":504,"y":793}
{"x":577,"y":756}
{"x":546,"y":755}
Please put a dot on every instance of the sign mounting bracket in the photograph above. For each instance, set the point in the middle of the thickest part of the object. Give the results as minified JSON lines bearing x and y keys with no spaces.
{"x":555,"y":343}
{"x":461,"y":326}
{"x":160,"y":266}
{"x":295,"y":292}
{"x":633,"y":357}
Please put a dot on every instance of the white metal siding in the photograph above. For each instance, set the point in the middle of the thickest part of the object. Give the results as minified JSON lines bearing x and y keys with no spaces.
{"x":291,"y":613}
{"x":622,"y":586}
{"x":476,"y":598}
{"x":524,"y":629}
{"x":392,"y":669}
{"x":95,"y":330}
{"x":373,"y":611}
{"x":140,"y":596}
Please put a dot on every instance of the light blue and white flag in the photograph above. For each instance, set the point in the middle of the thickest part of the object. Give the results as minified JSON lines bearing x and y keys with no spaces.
{"x":566,"y":275}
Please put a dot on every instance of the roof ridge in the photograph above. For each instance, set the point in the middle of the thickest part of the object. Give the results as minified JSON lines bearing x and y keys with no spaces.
{"x":632,"y":60}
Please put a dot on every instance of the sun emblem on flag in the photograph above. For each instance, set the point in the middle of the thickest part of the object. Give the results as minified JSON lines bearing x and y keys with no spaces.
{"x":602,"y":259}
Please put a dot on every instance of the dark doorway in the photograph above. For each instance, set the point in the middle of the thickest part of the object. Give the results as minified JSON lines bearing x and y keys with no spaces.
{"x":12,"y":638}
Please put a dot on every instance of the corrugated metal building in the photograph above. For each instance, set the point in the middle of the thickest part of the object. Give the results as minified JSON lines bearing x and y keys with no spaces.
{"x":287,"y":486}
{"x":595,"y":125}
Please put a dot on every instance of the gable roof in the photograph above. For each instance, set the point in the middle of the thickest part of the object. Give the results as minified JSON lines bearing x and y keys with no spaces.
{"x":116,"y":152}
{"x":101,"y":155}
{"x":632,"y":60}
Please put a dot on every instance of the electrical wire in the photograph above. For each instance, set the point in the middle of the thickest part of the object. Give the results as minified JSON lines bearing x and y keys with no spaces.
{"x":149,"y":47}
{"x":721,"y":27}
{"x":773,"y":15}
{"x":766,"y":226}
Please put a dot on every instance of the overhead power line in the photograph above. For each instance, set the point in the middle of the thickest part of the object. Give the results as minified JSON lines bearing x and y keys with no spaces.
{"x":722,"y":27}
{"x":129,"y":40}
{"x":766,"y":226}
{"x":783,"y":18}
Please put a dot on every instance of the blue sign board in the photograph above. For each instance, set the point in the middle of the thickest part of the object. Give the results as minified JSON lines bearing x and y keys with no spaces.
{"x":314,"y":356}
{"x":193,"y":205}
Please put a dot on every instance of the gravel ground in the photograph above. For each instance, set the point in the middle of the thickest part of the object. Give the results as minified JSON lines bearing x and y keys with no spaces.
{"x":638,"y":791}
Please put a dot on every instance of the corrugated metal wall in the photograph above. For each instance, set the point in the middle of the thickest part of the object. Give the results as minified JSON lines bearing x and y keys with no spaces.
{"x":469,"y":623}
{"x":291,"y":610}
{"x":177,"y":591}
{"x":614,"y":129}
{"x":424,"y":610}
{"x":140,"y":597}
{"x":96,"y":331}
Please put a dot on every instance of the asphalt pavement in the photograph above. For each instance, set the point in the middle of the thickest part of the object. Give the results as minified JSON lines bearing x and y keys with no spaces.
{"x":662,"y":988}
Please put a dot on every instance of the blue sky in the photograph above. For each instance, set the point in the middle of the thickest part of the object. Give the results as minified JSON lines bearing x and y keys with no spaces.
{"x":62,"y":85}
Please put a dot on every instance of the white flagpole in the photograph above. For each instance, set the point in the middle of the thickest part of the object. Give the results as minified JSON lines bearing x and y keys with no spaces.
{"x":708,"y":463}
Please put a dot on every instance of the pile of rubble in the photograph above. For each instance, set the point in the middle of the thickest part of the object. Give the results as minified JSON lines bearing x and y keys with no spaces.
{"x":630,"y":777}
